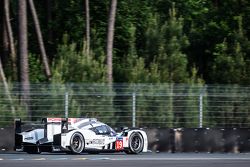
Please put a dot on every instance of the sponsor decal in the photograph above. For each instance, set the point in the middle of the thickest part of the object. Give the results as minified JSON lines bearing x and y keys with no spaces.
{"x":72,"y":120}
{"x":97,"y":141}
{"x":112,"y":138}
{"x":119,"y":138}
{"x":119,"y":143}
{"x":54,"y":119}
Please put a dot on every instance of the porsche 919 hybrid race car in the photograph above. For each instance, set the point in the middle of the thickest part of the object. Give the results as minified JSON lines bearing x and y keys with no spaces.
{"x":77,"y":135}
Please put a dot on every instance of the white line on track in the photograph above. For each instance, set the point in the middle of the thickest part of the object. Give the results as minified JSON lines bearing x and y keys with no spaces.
{"x":79,"y":159}
{"x":17,"y":159}
{"x":39,"y":159}
{"x":101,"y":158}
{"x":179,"y":159}
{"x":59,"y":159}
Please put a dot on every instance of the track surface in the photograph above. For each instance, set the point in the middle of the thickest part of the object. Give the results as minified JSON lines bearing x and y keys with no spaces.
{"x":120,"y":159}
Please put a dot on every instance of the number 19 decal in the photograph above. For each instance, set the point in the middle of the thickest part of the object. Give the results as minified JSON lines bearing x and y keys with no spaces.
{"x":119,"y":144}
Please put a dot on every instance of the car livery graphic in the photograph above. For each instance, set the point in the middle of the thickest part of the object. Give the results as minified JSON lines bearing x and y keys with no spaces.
{"x":77,"y":135}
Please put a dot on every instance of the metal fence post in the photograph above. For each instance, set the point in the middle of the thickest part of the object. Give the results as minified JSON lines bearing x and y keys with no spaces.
{"x":201,"y":110}
{"x":66,"y":102}
{"x":134,"y":109}
{"x":202,"y":92}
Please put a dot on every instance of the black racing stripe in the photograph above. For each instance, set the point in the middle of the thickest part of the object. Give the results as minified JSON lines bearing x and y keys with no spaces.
{"x":113,"y":145}
{"x":106,"y":147}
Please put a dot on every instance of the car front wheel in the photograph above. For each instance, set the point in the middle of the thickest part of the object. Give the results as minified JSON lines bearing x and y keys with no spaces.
{"x":136,"y":143}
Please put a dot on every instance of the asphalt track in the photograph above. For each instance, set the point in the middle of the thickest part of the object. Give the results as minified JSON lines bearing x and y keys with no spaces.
{"x":120,"y":160}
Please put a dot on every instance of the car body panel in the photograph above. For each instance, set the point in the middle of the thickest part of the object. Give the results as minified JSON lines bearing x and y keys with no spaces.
{"x":57,"y":133}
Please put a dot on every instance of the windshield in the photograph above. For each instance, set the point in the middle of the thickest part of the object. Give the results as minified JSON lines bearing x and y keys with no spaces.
{"x":112,"y":132}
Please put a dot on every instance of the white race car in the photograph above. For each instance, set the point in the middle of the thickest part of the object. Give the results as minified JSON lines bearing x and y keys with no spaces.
{"x":77,"y":135}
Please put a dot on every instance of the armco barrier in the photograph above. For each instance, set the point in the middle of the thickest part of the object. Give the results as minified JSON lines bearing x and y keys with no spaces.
{"x":176,"y":140}
{"x":6,"y":139}
{"x":244,"y":140}
{"x":198,"y":140}
{"x":161,"y":140}
{"x":236,"y":140}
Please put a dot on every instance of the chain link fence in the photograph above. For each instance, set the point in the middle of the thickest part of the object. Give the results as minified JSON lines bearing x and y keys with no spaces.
{"x":132,"y":105}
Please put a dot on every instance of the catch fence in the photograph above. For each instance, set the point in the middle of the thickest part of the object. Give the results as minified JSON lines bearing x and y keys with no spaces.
{"x":132,"y":105}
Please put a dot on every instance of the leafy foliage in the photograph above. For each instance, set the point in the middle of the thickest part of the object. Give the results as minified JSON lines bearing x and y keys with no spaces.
{"x":76,"y":66}
{"x":169,"y":39}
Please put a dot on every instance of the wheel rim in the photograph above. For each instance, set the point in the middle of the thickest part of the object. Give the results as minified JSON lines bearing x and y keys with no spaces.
{"x":136,"y":143}
{"x":77,"y":144}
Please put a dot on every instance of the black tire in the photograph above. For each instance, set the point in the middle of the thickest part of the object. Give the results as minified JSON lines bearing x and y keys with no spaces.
{"x":136,"y":143}
{"x":77,"y":143}
{"x":32,"y":149}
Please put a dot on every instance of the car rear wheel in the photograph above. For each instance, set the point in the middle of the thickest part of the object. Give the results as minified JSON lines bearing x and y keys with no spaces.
{"x":136,"y":143}
{"x":77,"y":143}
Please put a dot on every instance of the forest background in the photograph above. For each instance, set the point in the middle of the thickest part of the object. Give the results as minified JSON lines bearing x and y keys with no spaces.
{"x":155,"y":42}
{"x":160,"y":41}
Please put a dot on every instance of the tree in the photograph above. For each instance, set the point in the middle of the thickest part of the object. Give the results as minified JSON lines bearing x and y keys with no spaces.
{"x":49,"y":5}
{"x":231,"y":54}
{"x":23,"y":54}
{"x":233,"y":63}
{"x":7,"y":43}
{"x":40,"y":40}
{"x":87,"y":26}
{"x":4,"y":42}
{"x":6,"y":89}
{"x":8,"y":27}
{"x":85,"y":68}
{"x":110,"y":38}
{"x":165,"y":44}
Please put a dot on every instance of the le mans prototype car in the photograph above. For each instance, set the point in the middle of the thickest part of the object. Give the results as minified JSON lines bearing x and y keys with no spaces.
{"x":77,"y":135}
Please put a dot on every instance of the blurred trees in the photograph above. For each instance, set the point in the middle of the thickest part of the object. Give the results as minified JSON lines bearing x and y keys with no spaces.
{"x":169,"y":38}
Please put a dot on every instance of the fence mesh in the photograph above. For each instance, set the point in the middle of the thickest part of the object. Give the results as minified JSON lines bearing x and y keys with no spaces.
{"x":141,"y":105}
